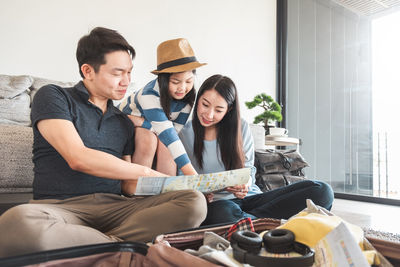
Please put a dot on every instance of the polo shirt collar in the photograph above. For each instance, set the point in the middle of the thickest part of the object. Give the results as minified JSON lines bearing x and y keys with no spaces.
{"x":80,"y":86}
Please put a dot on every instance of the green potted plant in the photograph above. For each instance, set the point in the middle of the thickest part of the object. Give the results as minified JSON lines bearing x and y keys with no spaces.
{"x":272,"y":110}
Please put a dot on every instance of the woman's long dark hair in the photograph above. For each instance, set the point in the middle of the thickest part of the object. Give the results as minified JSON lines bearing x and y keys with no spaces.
{"x":229,"y":133}
{"x":165,"y":97}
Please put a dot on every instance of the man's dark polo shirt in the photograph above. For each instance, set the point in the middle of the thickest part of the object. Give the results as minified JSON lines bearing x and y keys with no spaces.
{"x":111,"y":132}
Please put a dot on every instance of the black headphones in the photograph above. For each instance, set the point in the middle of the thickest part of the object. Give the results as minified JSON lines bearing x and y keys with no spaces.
{"x":247,"y":245}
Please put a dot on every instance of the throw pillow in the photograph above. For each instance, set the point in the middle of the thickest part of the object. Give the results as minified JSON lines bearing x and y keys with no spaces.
{"x":16,"y":167}
{"x":11,"y":86}
{"x":15,"y":110}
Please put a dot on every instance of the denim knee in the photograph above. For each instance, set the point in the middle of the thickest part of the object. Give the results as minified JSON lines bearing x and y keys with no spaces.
{"x":325,"y":195}
{"x":223,"y":211}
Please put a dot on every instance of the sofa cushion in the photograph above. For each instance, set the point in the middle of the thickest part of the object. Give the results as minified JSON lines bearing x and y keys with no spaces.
{"x":16,"y":165}
{"x":14,"y":99}
{"x":40,"y":82}
{"x":11,"y":86}
{"x":15,"y":110}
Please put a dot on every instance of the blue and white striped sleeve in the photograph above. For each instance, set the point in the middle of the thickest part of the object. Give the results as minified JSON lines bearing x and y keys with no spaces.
{"x":182,"y":118}
{"x":162,"y":126}
{"x":128,"y":105}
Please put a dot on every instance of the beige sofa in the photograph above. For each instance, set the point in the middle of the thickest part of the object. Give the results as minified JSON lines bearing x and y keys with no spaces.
{"x":16,"y":137}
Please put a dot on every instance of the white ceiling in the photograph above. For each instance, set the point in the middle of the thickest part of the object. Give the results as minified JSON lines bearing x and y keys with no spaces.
{"x":369,"y":7}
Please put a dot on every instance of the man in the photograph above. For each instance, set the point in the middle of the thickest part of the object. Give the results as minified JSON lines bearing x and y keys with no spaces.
{"x":81,"y":153}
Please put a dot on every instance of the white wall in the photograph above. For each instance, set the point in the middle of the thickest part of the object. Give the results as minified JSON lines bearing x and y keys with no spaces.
{"x":236,"y":38}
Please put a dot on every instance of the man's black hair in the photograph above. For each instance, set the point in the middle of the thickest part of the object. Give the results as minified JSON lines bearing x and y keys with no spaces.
{"x":93,"y":47}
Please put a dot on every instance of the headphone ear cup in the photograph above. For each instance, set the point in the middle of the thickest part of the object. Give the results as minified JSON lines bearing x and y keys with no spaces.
{"x":247,"y":240}
{"x":279,"y":241}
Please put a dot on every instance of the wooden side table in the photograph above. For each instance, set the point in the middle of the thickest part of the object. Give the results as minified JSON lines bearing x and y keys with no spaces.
{"x":271,"y":140}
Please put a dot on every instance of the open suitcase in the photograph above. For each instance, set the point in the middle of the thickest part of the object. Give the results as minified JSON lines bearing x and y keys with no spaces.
{"x":135,"y":254}
{"x":107,"y":254}
{"x":121,"y":254}
{"x":388,"y":251}
{"x":193,"y":238}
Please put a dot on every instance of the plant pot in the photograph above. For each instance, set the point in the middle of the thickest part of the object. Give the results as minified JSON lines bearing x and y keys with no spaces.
{"x":267,"y":127}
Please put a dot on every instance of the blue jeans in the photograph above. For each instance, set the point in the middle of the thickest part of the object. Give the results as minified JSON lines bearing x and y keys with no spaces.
{"x":280,"y":203}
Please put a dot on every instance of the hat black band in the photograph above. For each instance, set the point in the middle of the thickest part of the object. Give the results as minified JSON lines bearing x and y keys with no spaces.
{"x":176,"y":62}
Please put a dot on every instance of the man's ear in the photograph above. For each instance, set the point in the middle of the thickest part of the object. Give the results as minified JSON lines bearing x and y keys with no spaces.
{"x":88,"y":71}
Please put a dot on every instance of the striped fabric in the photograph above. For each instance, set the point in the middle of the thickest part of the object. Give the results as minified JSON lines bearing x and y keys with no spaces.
{"x":146,"y":103}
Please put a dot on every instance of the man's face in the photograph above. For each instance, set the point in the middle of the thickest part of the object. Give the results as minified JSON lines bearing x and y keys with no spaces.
{"x":112,"y":79}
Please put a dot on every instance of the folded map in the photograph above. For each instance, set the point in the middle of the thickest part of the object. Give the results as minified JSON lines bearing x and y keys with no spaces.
{"x":206,"y":183}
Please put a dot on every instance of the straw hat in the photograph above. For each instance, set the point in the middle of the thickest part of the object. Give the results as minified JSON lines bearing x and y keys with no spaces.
{"x":175,"y":56}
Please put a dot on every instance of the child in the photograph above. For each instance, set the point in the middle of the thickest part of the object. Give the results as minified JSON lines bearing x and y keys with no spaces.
{"x":218,"y":139}
{"x":160,"y":109}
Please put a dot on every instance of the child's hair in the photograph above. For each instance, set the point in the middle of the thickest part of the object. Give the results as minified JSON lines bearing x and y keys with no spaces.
{"x":229,"y":134}
{"x":93,"y":47}
{"x":165,"y":97}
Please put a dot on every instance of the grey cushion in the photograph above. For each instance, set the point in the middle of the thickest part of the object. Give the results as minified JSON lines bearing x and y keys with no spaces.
{"x":16,"y":165}
{"x":14,"y":99}
{"x":11,"y":86}
{"x":16,"y":110}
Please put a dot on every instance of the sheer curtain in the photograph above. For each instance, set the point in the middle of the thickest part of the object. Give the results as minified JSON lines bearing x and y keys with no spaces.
{"x":328,"y":92}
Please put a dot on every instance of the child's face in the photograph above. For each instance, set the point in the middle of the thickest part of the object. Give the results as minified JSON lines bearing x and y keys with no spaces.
{"x":180,"y":84}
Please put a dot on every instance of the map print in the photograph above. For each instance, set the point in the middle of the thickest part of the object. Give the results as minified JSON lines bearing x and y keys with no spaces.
{"x":206,"y":183}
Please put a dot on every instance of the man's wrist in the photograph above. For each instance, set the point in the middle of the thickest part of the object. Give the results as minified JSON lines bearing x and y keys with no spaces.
{"x":147,"y":171}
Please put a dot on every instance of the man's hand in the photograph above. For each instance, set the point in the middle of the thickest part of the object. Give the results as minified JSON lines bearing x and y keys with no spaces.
{"x":239,"y":191}
{"x":128,"y":187}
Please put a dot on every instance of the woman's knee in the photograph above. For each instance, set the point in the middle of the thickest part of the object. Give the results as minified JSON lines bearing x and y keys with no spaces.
{"x":324,"y":194}
{"x":222,"y":211}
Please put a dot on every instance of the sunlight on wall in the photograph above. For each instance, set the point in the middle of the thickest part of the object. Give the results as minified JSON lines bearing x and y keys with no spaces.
{"x":386,"y":104}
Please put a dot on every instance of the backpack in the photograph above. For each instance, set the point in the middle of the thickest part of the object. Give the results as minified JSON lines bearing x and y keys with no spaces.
{"x":277,"y":168}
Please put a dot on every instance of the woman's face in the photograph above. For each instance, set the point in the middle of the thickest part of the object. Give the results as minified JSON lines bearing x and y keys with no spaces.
{"x":211,"y":108}
{"x":180,"y":84}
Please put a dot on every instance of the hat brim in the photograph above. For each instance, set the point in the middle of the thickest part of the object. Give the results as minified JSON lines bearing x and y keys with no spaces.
{"x":180,"y":68}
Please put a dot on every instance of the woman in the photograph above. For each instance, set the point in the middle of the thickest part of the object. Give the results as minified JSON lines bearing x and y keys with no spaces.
{"x":218,"y":140}
{"x":161,"y":109}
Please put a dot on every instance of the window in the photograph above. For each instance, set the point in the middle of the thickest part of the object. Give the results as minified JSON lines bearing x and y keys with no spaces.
{"x":385,"y":89}
{"x":328,"y":93}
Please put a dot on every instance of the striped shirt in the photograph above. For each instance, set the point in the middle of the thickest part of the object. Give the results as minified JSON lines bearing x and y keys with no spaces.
{"x":146,"y":103}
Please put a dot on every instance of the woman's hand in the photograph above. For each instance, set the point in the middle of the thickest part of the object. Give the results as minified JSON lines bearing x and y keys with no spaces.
{"x":239,"y":191}
{"x":137,"y":121}
{"x":209,"y":197}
